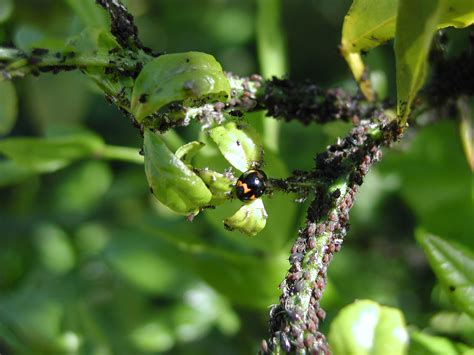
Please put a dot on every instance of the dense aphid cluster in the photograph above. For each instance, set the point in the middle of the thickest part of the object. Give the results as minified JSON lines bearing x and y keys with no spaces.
{"x":122,"y":24}
{"x":310,"y":104}
{"x":294,"y":322}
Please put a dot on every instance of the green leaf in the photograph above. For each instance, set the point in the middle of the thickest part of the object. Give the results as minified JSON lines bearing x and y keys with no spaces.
{"x":176,"y":77}
{"x":8,"y":107}
{"x":466,"y":131}
{"x":417,"y":22}
{"x":6,"y":9}
{"x":249,"y":219}
{"x":55,"y":248}
{"x":187,"y":151}
{"x":425,"y":344}
{"x":90,"y":13}
{"x":50,"y":154}
{"x":219,"y":184}
{"x":239,"y":143}
{"x":454,"y":268}
{"x":365,"y":327}
{"x":173,"y":183}
{"x":367,"y":24}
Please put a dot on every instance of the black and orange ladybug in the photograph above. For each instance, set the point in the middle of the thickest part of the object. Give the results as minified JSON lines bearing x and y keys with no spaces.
{"x":251,"y":185}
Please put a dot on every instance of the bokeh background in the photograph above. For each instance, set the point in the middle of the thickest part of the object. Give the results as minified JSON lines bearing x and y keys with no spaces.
{"x":90,"y":263}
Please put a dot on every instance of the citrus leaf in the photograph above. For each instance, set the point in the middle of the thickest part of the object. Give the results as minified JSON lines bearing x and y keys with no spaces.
{"x":249,"y":219}
{"x":365,"y":327}
{"x":8,"y":107}
{"x":172,"y":182}
{"x":239,"y":144}
{"x":176,"y":77}
{"x":454,"y":268}
{"x":417,"y":22}
{"x":367,"y":24}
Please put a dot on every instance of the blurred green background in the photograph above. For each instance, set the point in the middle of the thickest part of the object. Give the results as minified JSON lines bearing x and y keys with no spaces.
{"x":90,"y":263}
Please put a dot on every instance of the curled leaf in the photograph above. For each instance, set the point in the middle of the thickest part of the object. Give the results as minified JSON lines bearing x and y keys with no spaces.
{"x":239,"y":144}
{"x":249,"y":219}
{"x":187,"y":151}
{"x":176,"y":77}
{"x":220,"y":185}
{"x":172,"y":182}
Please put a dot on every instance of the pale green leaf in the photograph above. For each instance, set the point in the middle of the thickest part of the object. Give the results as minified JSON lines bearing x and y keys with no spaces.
{"x":250,"y":219}
{"x":176,"y":77}
{"x":187,"y":151}
{"x":454,"y":268}
{"x":239,"y":143}
{"x":8,"y":107}
{"x":365,"y":327}
{"x":220,"y":185}
{"x":173,"y":183}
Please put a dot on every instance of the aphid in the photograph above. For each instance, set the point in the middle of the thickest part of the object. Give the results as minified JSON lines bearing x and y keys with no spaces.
{"x":251,"y":185}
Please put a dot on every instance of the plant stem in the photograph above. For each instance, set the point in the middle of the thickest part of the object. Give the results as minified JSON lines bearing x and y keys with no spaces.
{"x":126,"y":154}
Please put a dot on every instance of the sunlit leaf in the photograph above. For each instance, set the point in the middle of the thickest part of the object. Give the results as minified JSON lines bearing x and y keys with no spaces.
{"x":453,"y":266}
{"x":366,"y":25}
{"x":176,"y":77}
{"x":219,"y":184}
{"x":8,"y":107}
{"x":173,"y":183}
{"x":365,"y":327}
{"x":249,"y":219}
{"x":239,"y":143}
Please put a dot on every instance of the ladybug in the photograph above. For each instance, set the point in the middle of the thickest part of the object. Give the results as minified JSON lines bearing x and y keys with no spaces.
{"x":251,"y":185}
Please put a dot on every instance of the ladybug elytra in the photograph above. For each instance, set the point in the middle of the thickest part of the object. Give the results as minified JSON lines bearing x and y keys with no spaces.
{"x":251,"y":185}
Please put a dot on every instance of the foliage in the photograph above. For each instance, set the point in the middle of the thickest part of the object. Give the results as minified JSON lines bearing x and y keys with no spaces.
{"x":92,"y":263}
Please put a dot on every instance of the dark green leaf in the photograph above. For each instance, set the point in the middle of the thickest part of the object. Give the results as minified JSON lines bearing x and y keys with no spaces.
{"x":365,"y":327}
{"x":176,"y":77}
{"x":417,"y":22}
{"x":8,"y":107}
{"x":454,"y":267}
{"x":173,"y":183}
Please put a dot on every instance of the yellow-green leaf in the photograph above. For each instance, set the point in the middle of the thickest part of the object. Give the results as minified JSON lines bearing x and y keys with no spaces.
{"x":239,"y":143}
{"x":249,"y":219}
{"x":172,"y":182}
{"x":367,"y":24}
{"x":365,"y":327}
{"x":176,"y":77}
